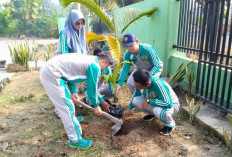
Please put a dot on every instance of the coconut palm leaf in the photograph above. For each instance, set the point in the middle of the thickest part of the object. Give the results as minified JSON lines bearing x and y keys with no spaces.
{"x":147,"y":13}
{"x":91,"y":36}
{"x":114,"y":46}
{"x":93,"y":6}
{"x":112,"y":42}
{"x":125,"y":17}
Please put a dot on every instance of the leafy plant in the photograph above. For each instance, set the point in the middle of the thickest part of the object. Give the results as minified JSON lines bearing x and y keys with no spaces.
{"x":178,"y":76}
{"x":193,"y":108}
{"x":49,"y":51}
{"x":21,"y":54}
{"x":191,"y":80}
{"x":226,"y":137}
{"x":114,"y":77}
{"x":110,"y":23}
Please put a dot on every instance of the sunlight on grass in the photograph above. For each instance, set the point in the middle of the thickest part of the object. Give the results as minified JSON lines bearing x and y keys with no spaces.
{"x":20,"y":99}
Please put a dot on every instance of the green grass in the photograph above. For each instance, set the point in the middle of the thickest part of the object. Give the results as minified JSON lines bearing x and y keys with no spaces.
{"x":20,"y":99}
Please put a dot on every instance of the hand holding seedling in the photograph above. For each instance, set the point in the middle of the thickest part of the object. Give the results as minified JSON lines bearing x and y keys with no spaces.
{"x":97,"y":110}
{"x":145,"y":104}
{"x":125,"y":114}
{"x":75,"y":98}
{"x":106,"y":106}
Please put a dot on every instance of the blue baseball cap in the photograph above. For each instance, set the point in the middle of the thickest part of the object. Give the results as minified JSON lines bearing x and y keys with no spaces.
{"x":128,"y":39}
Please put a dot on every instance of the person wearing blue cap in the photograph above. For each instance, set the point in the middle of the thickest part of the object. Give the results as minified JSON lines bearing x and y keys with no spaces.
{"x":143,"y":56}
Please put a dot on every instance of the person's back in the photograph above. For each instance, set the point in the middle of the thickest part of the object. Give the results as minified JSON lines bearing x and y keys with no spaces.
{"x":73,"y":64}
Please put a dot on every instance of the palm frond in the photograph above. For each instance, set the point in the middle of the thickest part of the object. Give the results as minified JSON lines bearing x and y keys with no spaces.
{"x":91,"y":36}
{"x":125,"y":16}
{"x":113,"y":43}
{"x":114,"y":46}
{"x":93,"y":6}
{"x":147,"y":13}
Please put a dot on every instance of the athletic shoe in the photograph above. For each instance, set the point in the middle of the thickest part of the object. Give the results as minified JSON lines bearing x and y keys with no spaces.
{"x":166,"y":131}
{"x":148,"y":117}
{"x":82,"y":144}
{"x":80,"y":118}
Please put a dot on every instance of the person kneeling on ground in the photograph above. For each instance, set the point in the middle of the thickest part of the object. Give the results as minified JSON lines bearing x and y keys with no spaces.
{"x":66,"y":70}
{"x":163,"y":106}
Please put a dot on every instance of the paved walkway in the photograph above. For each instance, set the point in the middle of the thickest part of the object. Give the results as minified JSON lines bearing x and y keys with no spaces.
{"x":210,"y":118}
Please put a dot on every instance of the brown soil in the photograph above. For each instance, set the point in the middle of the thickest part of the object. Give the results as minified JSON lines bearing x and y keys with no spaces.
{"x":29,"y":128}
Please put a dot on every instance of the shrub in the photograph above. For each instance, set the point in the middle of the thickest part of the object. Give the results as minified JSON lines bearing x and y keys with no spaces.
{"x":178,"y":76}
{"x":226,"y":137}
{"x":193,"y":108}
{"x":21,"y":54}
{"x":49,"y":51}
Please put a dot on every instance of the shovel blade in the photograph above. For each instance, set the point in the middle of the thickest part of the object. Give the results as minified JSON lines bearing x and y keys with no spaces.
{"x":116,"y":128}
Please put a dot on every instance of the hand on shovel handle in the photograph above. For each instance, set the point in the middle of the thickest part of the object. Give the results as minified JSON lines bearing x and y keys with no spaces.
{"x":97,"y":110}
{"x":75,"y":98}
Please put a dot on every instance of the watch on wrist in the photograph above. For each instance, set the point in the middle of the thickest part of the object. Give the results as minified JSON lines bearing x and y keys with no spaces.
{"x":148,"y":100}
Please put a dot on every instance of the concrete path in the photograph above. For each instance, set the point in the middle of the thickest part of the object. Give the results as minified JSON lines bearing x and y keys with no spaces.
{"x":210,"y":118}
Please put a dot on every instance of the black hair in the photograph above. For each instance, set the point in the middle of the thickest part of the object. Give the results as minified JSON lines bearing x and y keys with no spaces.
{"x":142,"y":76}
{"x":105,"y":55}
{"x":96,"y":51}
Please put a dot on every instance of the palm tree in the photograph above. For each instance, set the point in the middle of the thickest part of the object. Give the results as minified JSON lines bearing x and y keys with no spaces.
{"x":127,"y":17}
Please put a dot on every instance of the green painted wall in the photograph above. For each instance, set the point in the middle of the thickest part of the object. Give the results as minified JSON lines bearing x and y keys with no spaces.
{"x":158,"y":30}
{"x":177,"y":58}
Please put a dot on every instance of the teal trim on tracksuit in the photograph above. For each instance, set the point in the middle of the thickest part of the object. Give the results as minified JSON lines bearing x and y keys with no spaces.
{"x":146,"y":53}
{"x":93,"y":73}
{"x":63,"y":44}
{"x":67,"y":100}
{"x":71,"y":83}
{"x":159,"y":88}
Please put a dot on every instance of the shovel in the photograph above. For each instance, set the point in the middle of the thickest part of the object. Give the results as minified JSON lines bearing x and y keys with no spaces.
{"x":118,"y":123}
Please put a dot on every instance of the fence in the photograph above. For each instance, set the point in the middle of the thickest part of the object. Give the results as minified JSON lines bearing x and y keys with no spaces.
{"x":204,"y":33}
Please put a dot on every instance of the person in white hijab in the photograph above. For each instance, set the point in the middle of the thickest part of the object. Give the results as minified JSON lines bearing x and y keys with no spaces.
{"x":72,"y":38}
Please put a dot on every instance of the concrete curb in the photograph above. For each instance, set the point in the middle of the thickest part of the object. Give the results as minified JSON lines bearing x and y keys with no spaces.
{"x":4,"y":78}
{"x":209,"y":118}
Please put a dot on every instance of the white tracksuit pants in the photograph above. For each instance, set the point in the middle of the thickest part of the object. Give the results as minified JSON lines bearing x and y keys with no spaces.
{"x":164,"y":115}
{"x":58,"y":93}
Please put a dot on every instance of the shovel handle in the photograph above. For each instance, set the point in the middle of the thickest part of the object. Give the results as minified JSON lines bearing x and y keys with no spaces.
{"x":112,"y":118}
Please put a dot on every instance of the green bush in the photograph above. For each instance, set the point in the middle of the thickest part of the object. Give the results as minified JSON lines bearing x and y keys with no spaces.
{"x":21,"y":54}
{"x":49,"y":51}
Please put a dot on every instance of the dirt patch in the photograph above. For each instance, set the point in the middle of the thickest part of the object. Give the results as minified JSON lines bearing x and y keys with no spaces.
{"x":29,"y":128}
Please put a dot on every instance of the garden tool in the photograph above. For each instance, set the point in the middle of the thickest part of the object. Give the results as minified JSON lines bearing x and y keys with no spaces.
{"x":118,"y":123}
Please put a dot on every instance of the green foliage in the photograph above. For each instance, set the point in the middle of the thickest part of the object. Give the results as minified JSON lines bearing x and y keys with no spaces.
{"x":193,"y":108}
{"x":178,"y":76}
{"x":226,"y":137}
{"x":30,"y":17}
{"x":191,"y":80}
{"x":5,"y":10}
{"x":49,"y":51}
{"x":114,"y":77}
{"x":21,"y":54}
{"x":147,"y":13}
